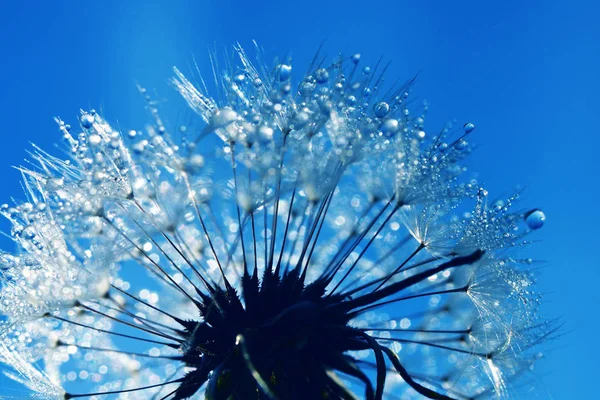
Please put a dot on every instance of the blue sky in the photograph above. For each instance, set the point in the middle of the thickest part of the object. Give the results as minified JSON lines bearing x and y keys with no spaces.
{"x":527,"y":76}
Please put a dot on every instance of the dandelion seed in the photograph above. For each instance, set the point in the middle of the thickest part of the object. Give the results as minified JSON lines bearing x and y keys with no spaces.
{"x":303,"y":244}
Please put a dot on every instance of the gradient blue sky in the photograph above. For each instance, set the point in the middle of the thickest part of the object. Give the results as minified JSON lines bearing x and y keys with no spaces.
{"x":527,"y":76}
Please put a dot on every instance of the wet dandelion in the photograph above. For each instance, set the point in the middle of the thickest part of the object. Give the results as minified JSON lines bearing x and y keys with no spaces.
{"x":311,"y":241}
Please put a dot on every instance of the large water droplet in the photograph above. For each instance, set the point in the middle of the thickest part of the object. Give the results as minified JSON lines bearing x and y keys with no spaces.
{"x":87,"y":121}
{"x":468,"y":127}
{"x":321,"y":75}
{"x":265,"y":134}
{"x":389,"y":126}
{"x":535,"y":219}
{"x":381,"y":109}
{"x":222,"y":118}
{"x":306,"y":88}
{"x":356,"y":58}
{"x":284,"y":71}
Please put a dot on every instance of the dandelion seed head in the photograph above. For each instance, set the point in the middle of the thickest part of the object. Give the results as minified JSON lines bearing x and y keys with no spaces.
{"x":312,"y":239}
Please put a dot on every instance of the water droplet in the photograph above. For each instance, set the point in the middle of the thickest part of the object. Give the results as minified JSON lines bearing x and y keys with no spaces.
{"x":301,"y":119}
{"x":356,"y":58}
{"x":366,"y":70}
{"x":381,"y":109}
{"x":87,"y":121}
{"x":29,"y":232}
{"x":95,"y":140}
{"x":222,"y":117}
{"x":468,"y":127}
{"x":284,"y":72}
{"x":305,"y":88}
{"x":265,"y":134}
{"x":321,"y":75}
{"x":389,"y":126}
{"x":462,"y":144}
{"x":195,"y":163}
{"x":535,"y":219}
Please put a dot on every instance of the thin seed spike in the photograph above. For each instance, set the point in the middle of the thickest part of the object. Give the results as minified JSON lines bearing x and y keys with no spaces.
{"x":165,"y":336}
{"x":380,"y":262}
{"x":318,"y":232}
{"x":207,"y":236}
{"x":158,"y":267}
{"x":399,"y":268}
{"x":175,"y":247}
{"x":164,"y":253}
{"x":144,"y":321}
{"x":74,"y":396}
{"x":100,"y":349}
{"x":400,"y":330}
{"x":349,"y":238}
{"x":357,"y":241}
{"x":432,"y":344}
{"x":307,"y":210}
{"x":416,"y":296}
{"x":408,"y":378}
{"x":174,"y":346}
{"x":237,"y":206}
{"x":410,"y":281}
{"x":276,"y":210}
{"x":285,"y":234}
{"x":366,"y":247}
{"x":178,"y":320}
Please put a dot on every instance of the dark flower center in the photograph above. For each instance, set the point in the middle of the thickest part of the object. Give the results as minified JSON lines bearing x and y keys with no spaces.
{"x":284,"y":340}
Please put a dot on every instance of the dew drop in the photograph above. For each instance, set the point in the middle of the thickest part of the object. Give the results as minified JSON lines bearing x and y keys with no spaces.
{"x":356,"y":58}
{"x":301,"y":119}
{"x":389,"y":126}
{"x":95,"y":140}
{"x":321,"y":75}
{"x":381,"y":109}
{"x":305,"y":88}
{"x":284,"y":72}
{"x":265,"y":134}
{"x":535,"y":219}
{"x":223,"y":117}
{"x":468,"y":127}
{"x":87,"y":121}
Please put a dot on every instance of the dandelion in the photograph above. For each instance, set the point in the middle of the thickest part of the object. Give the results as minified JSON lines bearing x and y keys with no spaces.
{"x":308,"y":241}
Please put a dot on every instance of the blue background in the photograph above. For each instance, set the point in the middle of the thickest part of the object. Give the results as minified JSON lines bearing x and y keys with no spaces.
{"x":527,"y":76}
